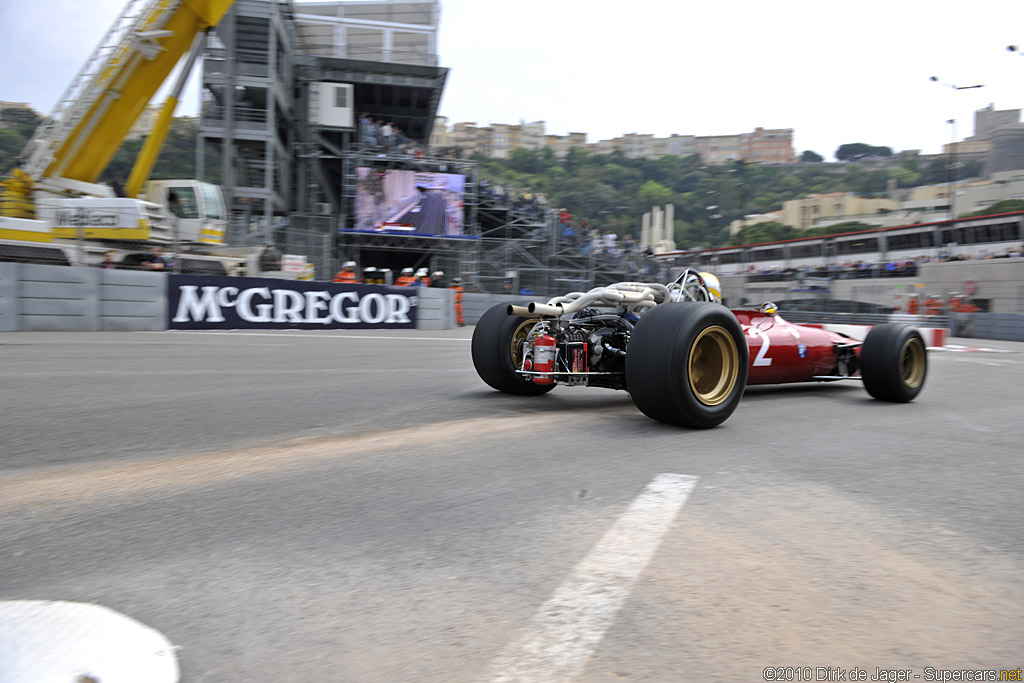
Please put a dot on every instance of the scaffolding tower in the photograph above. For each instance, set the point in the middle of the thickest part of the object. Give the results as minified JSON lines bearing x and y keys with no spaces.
{"x":286,"y":88}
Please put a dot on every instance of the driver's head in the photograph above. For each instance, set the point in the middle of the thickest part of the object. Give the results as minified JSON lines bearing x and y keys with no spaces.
{"x":714,"y":287}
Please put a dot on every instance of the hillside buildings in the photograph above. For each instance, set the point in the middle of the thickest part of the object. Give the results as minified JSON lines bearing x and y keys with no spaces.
{"x":499,"y":140}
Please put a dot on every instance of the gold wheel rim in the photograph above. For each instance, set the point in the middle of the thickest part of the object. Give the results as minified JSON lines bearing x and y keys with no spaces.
{"x":912,"y":362}
{"x":714,"y":365}
{"x":518,"y":337}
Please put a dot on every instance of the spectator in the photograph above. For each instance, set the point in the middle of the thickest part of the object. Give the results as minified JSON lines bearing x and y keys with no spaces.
{"x":270,"y":259}
{"x":565,"y":222}
{"x":157,"y":260}
{"x":108,"y":262}
{"x":366,"y":130}
{"x":610,"y":248}
{"x":627,"y":245}
{"x":174,"y":204}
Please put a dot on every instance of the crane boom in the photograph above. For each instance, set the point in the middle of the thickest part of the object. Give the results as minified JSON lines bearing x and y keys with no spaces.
{"x":108,"y":95}
{"x":55,"y":193}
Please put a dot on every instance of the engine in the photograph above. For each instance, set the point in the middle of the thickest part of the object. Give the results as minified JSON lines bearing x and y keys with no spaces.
{"x":582,"y":337}
{"x":589,"y":349}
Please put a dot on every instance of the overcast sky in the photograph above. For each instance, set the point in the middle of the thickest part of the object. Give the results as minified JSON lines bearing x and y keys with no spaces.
{"x":835,"y":72}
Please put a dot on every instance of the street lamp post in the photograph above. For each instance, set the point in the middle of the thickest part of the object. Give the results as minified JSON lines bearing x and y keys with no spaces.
{"x":951,"y":173}
{"x":718,"y":198}
{"x":953,"y":144}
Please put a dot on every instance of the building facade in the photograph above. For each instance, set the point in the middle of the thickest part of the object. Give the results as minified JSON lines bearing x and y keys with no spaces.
{"x":499,"y":140}
{"x":773,"y":146}
{"x":441,"y":136}
{"x":561,"y":144}
{"x":806,"y":212}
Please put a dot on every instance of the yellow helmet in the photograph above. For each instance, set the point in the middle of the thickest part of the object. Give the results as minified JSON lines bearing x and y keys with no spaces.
{"x":714,"y":287}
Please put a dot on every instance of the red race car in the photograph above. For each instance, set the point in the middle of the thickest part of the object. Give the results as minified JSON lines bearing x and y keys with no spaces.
{"x":683,"y":357}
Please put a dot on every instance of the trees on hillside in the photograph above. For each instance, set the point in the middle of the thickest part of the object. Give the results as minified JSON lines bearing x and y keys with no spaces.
{"x":858,"y":150}
{"x":768,"y":231}
{"x":611,"y":190}
{"x":17,"y":124}
{"x":177,"y":157}
{"x":1005,"y":206}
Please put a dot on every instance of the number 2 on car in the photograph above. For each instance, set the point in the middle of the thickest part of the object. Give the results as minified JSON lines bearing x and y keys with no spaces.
{"x":762,"y":358}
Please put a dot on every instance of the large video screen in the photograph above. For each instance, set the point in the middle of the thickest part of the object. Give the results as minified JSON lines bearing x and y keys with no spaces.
{"x":409,"y":201}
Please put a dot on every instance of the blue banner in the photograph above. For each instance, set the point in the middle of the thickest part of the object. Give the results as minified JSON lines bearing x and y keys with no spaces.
{"x":200,"y":302}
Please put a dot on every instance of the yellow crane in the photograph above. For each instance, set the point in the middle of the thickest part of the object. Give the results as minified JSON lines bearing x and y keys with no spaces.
{"x":55,"y":192}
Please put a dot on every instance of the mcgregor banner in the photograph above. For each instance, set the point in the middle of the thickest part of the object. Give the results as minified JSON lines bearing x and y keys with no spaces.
{"x":197,"y":302}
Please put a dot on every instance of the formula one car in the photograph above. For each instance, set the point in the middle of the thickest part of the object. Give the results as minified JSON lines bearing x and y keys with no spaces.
{"x":684,"y":358}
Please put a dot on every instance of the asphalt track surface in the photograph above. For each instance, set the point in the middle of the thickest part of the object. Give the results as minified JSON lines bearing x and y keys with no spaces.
{"x":428,"y":215}
{"x":358,"y":506}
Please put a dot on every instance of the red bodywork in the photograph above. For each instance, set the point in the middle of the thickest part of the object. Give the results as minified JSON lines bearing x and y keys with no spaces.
{"x":781,"y":351}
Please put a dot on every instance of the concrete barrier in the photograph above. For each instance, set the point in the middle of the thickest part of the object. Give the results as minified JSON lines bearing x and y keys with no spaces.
{"x":58,"y":298}
{"x":475,"y":305}
{"x":9,"y":297}
{"x":436,"y":309}
{"x":1004,"y":326}
{"x":131,"y":301}
{"x":35,"y":298}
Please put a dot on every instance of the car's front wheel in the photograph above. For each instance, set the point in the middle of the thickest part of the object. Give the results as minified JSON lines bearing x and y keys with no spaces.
{"x":687,"y":364}
{"x":894,"y":362}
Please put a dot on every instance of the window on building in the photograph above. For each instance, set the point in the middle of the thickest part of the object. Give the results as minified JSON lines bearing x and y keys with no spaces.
{"x":857,"y":246}
{"x":805,"y":250}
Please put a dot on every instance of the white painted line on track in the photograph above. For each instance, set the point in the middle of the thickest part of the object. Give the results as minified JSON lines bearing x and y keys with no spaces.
{"x":567,"y":628}
{"x":205,"y":333}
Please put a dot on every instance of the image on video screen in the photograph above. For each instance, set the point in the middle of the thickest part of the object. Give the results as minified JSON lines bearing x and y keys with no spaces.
{"x":409,"y":201}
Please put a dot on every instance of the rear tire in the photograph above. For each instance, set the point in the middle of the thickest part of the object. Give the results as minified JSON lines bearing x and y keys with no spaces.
{"x":894,"y":362}
{"x":497,"y":340}
{"x":687,"y":364}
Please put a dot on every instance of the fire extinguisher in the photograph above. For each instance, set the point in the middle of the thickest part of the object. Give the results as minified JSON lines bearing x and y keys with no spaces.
{"x":544,"y":358}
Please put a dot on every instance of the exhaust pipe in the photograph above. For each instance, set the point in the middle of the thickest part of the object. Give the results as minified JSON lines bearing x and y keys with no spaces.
{"x":519,"y":311}
{"x":546,"y":309}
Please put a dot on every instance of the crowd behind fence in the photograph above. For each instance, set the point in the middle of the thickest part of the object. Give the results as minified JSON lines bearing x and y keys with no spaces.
{"x":867,"y":269}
